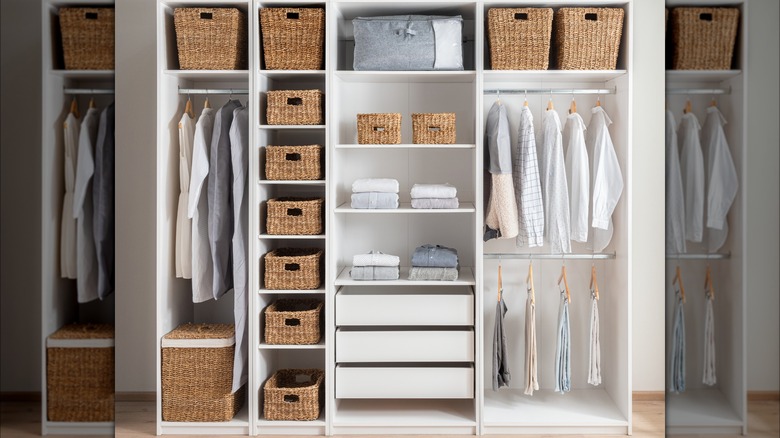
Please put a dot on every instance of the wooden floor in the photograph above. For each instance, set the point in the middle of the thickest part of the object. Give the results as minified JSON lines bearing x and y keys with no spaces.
{"x":136,"y":419}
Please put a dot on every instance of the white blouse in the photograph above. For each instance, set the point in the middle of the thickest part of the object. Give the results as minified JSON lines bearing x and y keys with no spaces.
{"x":555,"y":191}
{"x":183,"y":256}
{"x":577,"y":175}
{"x":198,"y":209}
{"x":67,"y":222}
{"x":692,"y":171}
{"x":675,"y":202}
{"x":722,"y":182}
{"x":607,"y":178}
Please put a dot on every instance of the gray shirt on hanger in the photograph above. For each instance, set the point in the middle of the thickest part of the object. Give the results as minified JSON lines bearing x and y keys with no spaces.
{"x":103,"y":198}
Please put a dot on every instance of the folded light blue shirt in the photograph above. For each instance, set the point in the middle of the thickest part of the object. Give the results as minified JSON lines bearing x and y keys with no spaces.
{"x":435,"y":256}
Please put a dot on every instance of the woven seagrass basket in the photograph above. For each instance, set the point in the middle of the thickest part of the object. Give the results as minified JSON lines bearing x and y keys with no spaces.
{"x":588,"y":38}
{"x":293,"y":162}
{"x":379,"y":128}
{"x":519,"y":38}
{"x":433,"y":128}
{"x":293,"y":38}
{"x":295,"y":107}
{"x":293,"y":321}
{"x":294,"y":216}
{"x":292,"y":269}
{"x":87,"y":38}
{"x":290,"y":397}
{"x":703,"y":38}
{"x":211,"y":38}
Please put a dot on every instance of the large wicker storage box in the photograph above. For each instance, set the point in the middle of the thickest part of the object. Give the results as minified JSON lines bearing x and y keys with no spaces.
{"x":293,"y":38}
{"x":519,"y":38}
{"x":293,"y":395}
{"x":293,"y":162}
{"x":80,"y":373}
{"x":295,"y":107}
{"x":292,"y":269}
{"x":293,"y":321}
{"x":294,"y":216}
{"x":87,"y":38}
{"x":197,"y":374}
{"x":588,"y":38}
{"x":379,"y":128}
{"x":703,"y":38}
{"x":433,"y":128}
{"x":211,"y":38}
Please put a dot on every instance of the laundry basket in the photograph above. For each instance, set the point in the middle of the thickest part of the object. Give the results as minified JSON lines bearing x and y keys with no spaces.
{"x":433,"y":128}
{"x":293,"y":395}
{"x":293,"y":321}
{"x":293,"y":38}
{"x":293,"y":269}
{"x":294,"y":216}
{"x":588,"y":38}
{"x":519,"y":38}
{"x":293,"y":162}
{"x":211,"y":38}
{"x":87,"y":38}
{"x":295,"y":107}
{"x":703,"y":38}
{"x":379,"y":128}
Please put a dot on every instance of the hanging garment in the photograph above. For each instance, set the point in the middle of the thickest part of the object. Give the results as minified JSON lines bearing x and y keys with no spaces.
{"x":239,"y":152}
{"x":183,"y":256}
{"x":528,"y":189}
{"x":563,"y":349}
{"x":501,"y":374}
{"x":709,"y":374}
{"x":531,"y":361}
{"x":577,"y":176}
{"x":68,"y":263}
{"x":722,"y":182}
{"x":606,"y":176}
{"x":198,"y":209}
{"x":220,"y":198}
{"x":501,"y":220}
{"x":675,"y":202}
{"x":594,"y":352}
{"x":103,"y":198}
{"x":86,"y":259}
{"x":677,"y":371}
{"x":692,"y":171}
{"x":555,"y":191}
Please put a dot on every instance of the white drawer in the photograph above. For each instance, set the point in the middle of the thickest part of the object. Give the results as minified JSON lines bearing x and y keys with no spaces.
{"x":387,"y":306}
{"x":405,"y":346}
{"x":404,"y":382}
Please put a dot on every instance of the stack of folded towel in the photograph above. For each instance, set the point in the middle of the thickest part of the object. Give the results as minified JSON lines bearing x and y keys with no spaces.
{"x":375,"y":193}
{"x":434,"y":196}
{"x":434,"y":262}
{"x":375,"y":266}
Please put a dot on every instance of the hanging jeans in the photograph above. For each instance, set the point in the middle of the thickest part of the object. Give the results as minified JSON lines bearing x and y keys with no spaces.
{"x":563,"y":349}
{"x":677,"y":371}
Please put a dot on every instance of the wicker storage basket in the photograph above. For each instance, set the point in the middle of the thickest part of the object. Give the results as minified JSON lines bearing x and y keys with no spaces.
{"x":80,"y":373}
{"x":211,"y":38}
{"x":519,"y":38}
{"x":295,"y":107}
{"x":433,"y":128}
{"x":293,"y":38}
{"x":197,"y":374}
{"x":379,"y":128}
{"x":293,"y":322}
{"x":87,"y":38}
{"x":703,"y":38}
{"x":292,"y":269}
{"x":294,"y":216}
{"x":293,"y":162}
{"x":288,"y":397}
{"x":588,"y":38}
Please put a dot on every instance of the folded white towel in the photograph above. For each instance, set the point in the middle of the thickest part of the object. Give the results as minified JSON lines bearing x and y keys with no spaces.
{"x":375,"y":258}
{"x":381,"y":185}
{"x":434,"y":191}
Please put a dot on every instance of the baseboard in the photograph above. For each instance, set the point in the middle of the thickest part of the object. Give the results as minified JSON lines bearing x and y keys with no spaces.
{"x":649,"y":396}
{"x":140,"y":396}
{"x":763,"y":395}
{"x":27,"y":397}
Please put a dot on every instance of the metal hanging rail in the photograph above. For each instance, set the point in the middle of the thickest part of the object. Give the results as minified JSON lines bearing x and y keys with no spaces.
{"x":213,"y":91}
{"x":699,"y":256}
{"x":546,"y":91}
{"x":698,"y":91}
{"x":542,"y":256}
{"x":88,"y":90}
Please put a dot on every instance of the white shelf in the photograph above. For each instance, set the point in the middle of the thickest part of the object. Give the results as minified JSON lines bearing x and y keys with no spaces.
{"x":268,"y":182}
{"x":239,"y":425}
{"x":285,"y":75}
{"x":243,"y":5}
{"x":406,"y":208}
{"x":439,"y":77}
{"x":547,"y":76}
{"x":85,"y":74}
{"x":701,"y":75}
{"x":269,"y":427}
{"x":404,"y":413}
{"x":405,"y":146}
{"x":318,"y":346}
{"x":78,"y":428}
{"x":465,"y":278}
{"x":701,"y":411}
{"x":290,"y":291}
{"x":210,"y":75}
{"x":292,"y":236}
{"x":293,"y":127}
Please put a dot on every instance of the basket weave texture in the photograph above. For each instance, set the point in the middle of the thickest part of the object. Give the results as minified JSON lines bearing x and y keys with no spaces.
{"x":519,"y":38}
{"x":211,"y":38}
{"x":292,"y":269}
{"x":293,"y":38}
{"x":87,"y":38}
{"x":433,"y":128}
{"x":295,"y":107}
{"x":588,"y":38}
{"x":80,"y":381}
{"x":293,"y":321}
{"x":293,"y":162}
{"x":294,"y":216}
{"x":379,"y":128}
{"x":703,"y":38}
{"x":287,"y":398}
{"x":197,"y":383}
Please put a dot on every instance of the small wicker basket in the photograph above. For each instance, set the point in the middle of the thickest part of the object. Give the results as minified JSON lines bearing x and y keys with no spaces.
{"x":211,"y":38}
{"x":289,"y":397}
{"x":293,"y":163}
{"x":197,"y":374}
{"x":293,"y":321}
{"x":293,"y":38}
{"x":379,"y":128}
{"x":519,"y":38}
{"x":80,"y":373}
{"x":703,"y":38}
{"x":295,"y":107}
{"x":433,"y":128}
{"x":293,"y":269}
{"x":87,"y":38}
{"x":588,"y":38}
{"x":294,"y":216}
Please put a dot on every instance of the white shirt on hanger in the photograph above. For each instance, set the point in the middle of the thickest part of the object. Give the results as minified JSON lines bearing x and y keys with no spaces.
{"x":675,"y":202}
{"x":183,"y":256}
{"x":555,"y":191}
{"x":68,"y":267}
{"x":606,"y":175}
{"x":198,"y":209}
{"x":239,"y":153}
{"x":528,"y":191}
{"x":577,"y":176}
{"x":722,"y":182}
{"x":692,"y":171}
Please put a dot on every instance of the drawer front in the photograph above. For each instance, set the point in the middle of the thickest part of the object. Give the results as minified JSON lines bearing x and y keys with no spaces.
{"x":405,"y":346}
{"x":404,"y":309}
{"x":405,"y":382}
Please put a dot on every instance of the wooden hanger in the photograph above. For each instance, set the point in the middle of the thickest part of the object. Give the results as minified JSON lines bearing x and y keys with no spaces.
{"x":598,"y":100}
{"x":550,"y":104}
{"x":74,"y":107}
{"x":206,"y":104}
{"x":573,"y":106}
{"x":565,"y":282}
{"x":188,"y":108}
{"x":594,"y":284}
{"x":709,"y":289}
{"x":530,"y":282}
{"x":678,"y":281}
{"x":688,"y":107}
{"x":714,"y":102}
{"x":500,"y":282}
{"x":91,"y":102}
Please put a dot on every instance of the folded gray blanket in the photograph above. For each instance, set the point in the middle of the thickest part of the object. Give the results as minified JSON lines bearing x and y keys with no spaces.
{"x":374,"y":273}
{"x":442,"y":274}
{"x":435,"y":203}
{"x":375,"y":258}
{"x":435,"y":256}
{"x":374,"y":200}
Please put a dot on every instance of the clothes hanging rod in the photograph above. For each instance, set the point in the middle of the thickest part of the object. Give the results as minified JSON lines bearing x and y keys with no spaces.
{"x":545,"y":91}
{"x":213,"y":91}
{"x":88,"y":90}
{"x":702,"y":256}
{"x":697,"y":91}
{"x":541,"y":256}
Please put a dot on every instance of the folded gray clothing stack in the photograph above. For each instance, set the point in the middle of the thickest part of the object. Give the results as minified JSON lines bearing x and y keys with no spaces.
{"x":441,"y":274}
{"x":375,"y":193}
{"x":375,"y":265}
{"x":434,"y":196}
{"x":434,"y":262}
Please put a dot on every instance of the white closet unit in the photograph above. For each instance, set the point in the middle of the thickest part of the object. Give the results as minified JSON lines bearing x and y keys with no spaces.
{"x":722,"y":408}
{"x":174,"y":295}
{"x":59,"y":304}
